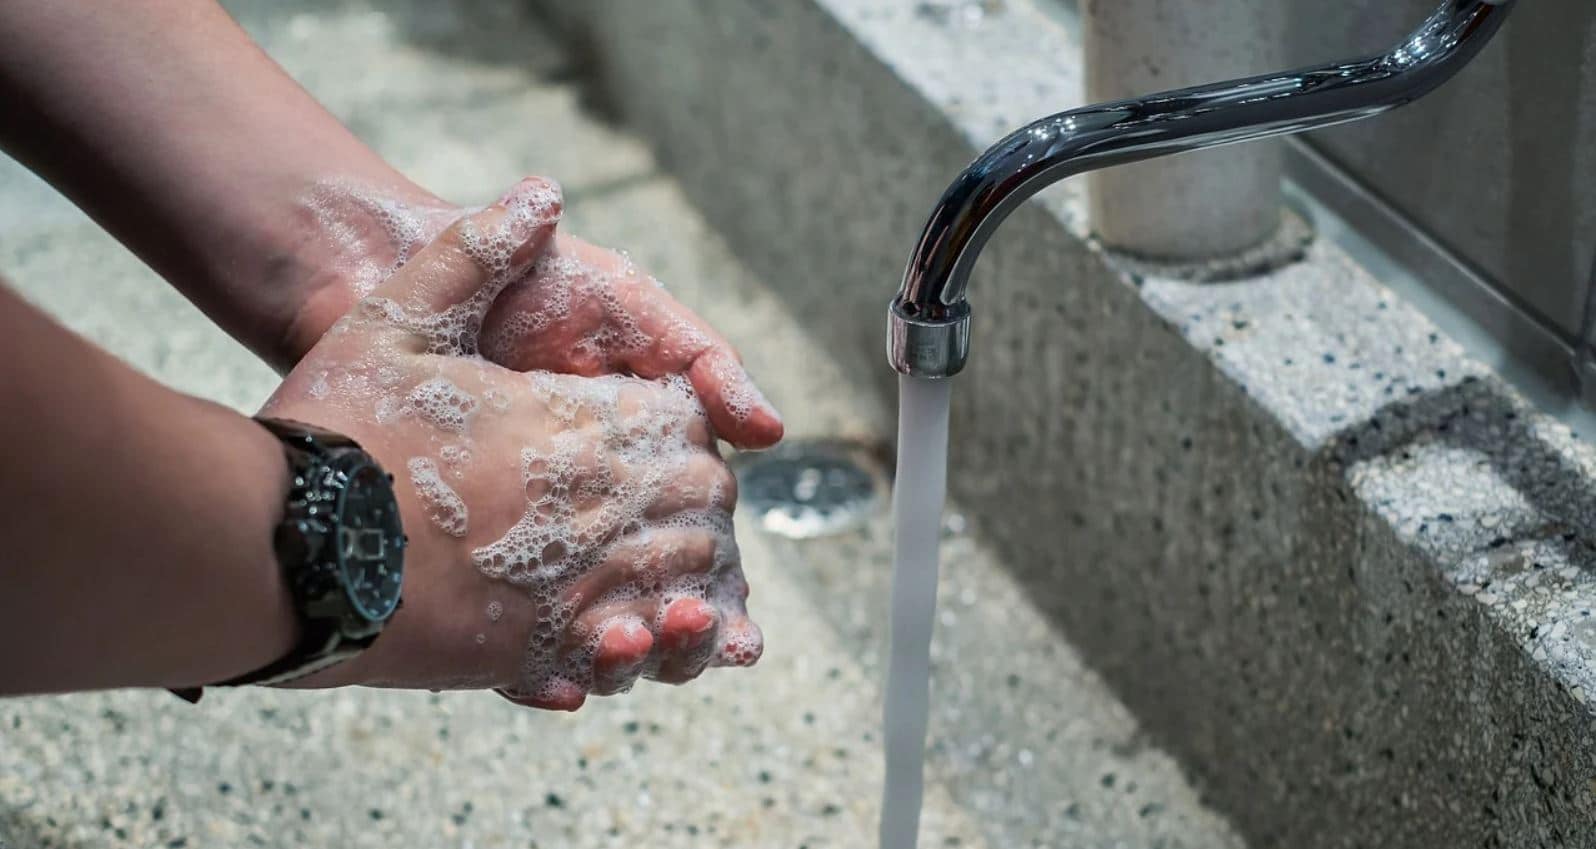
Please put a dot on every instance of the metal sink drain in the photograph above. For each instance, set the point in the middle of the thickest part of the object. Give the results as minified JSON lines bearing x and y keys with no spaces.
{"x":811,"y":488}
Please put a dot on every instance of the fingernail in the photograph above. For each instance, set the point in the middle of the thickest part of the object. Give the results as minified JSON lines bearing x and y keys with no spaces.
{"x":511,"y":193}
{"x":539,"y":198}
{"x":774,"y":413}
{"x":532,"y":204}
{"x":758,"y":395}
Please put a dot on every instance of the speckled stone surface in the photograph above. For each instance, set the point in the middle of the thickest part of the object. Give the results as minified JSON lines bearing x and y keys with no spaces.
{"x":1029,"y":747}
{"x":1333,"y":564}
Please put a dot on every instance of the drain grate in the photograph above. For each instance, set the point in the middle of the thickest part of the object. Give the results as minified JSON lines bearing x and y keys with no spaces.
{"x":811,"y":488}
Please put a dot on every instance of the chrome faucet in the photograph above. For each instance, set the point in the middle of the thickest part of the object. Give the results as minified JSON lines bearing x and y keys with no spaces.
{"x":928,"y":323}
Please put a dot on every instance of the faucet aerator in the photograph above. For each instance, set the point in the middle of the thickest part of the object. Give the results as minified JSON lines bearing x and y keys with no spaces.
{"x":931,"y":348}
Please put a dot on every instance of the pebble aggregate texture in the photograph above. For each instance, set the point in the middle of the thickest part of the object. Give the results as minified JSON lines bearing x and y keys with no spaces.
{"x":1029,"y":746}
{"x":1334,"y":565}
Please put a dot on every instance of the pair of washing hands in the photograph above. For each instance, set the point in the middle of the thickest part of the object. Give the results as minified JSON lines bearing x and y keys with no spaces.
{"x":551,"y":416}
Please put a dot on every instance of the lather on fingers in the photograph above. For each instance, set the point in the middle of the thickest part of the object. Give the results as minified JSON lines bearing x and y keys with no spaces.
{"x":587,"y":310}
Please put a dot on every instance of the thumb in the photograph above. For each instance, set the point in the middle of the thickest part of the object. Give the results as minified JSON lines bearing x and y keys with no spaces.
{"x":469,"y":263}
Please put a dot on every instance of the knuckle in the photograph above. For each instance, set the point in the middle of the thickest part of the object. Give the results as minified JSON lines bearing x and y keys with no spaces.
{"x":726,"y":488}
{"x":690,"y":553}
{"x":636,"y":396}
{"x":699,"y":431}
{"x":459,"y":232}
{"x":467,"y":241}
{"x":593,"y":463}
{"x":711,"y":482}
{"x":701,"y":549}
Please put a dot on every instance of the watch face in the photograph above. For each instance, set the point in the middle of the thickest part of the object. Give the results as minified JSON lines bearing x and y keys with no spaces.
{"x":371,"y":543}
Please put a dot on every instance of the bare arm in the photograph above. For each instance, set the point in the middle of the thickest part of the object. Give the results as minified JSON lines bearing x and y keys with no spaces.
{"x":164,"y":121}
{"x":167,"y":124}
{"x":136,"y":523}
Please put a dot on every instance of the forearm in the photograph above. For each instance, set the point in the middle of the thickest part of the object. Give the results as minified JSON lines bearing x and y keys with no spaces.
{"x":168,"y":125}
{"x":136,"y":523}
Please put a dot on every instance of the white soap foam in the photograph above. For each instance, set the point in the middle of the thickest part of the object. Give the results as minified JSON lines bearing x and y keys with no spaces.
{"x":444,"y":506}
{"x":556,"y":542}
{"x":559,"y":284}
{"x":365,"y":255}
{"x":739,"y":393}
{"x":455,"y":460}
{"x":454,"y":330}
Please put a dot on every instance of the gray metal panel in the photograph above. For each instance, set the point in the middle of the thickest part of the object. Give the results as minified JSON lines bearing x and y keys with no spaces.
{"x":1515,"y":194}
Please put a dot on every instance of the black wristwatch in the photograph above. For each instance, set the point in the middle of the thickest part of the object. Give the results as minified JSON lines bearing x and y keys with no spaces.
{"x":341,"y":547}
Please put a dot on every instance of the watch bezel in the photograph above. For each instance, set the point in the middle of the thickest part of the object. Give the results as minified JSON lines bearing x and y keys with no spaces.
{"x":363,"y":462}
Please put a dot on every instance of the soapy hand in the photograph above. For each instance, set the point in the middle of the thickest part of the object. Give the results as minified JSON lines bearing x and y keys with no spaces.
{"x":579,"y":309}
{"x":569,"y":534}
{"x":587,"y":310}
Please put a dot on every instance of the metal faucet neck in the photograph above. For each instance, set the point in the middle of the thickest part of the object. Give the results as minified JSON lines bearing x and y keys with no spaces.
{"x":928,"y":321}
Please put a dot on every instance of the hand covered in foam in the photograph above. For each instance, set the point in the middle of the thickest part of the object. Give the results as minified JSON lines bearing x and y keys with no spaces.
{"x":587,"y":310}
{"x":569,"y":534}
{"x":579,"y":309}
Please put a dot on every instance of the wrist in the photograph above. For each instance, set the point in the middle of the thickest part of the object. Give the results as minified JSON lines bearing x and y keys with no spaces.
{"x":320,"y":250}
{"x":246,"y":611}
{"x":277,"y":623}
{"x":341,"y":551}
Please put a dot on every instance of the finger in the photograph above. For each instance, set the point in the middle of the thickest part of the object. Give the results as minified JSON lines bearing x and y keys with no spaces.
{"x":646,"y":563}
{"x":578,"y":402}
{"x":742,"y":643}
{"x":623,"y":651}
{"x":736,"y":407}
{"x":554,"y":318}
{"x":672,"y":406}
{"x":741,"y":640}
{"x":687,"y":640}
{"x":555,"y":694}
{"x":477,"y":255}
{"x":604,"y":651}
{"x":609,"y":645}
{"x":680,"y":342}
{"x":550,"y":324}
{"x":702,"y":482}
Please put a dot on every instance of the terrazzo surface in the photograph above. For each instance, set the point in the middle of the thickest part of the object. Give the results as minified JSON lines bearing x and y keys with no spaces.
{"x":1029,"y":746}
{"x":1330,"y":560}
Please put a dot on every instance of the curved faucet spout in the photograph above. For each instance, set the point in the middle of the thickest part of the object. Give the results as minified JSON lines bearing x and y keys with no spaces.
{"x":928,"y":321}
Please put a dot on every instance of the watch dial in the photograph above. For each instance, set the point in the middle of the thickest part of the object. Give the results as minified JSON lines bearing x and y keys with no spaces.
{"x":371,"y":542}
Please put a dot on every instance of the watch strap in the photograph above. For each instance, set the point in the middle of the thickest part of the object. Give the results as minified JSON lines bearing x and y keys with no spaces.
{"x":322,"y":643}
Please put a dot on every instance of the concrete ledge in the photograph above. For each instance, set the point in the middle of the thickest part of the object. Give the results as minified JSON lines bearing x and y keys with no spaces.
{"x":1339,"y":569}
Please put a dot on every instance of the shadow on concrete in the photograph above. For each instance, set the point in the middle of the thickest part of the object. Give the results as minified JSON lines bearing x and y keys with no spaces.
{"x":1479,"y":416}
